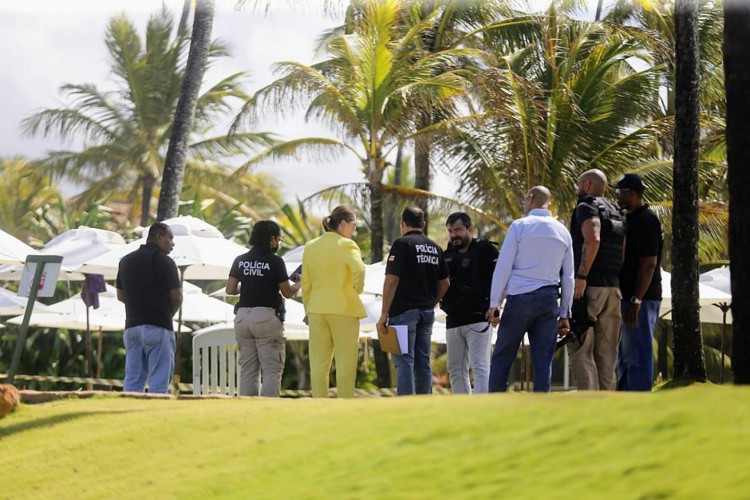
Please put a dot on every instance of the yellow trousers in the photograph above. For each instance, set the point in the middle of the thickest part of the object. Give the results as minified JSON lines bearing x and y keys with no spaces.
{"x":332,"y":335}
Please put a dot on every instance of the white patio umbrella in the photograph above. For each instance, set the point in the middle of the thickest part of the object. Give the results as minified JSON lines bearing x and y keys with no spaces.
{"x":71,"y":314}
{"x":714,"y":304}
{"x":200,"y":251}
{"x":201,"y":308}
{"x":11,"y":304}
{"x":13,"y":250}
{"x":374,"y":278}
{"x":76,"y":246}
{"x":718,"y":278}
{"x":707,"y":296}
{"x":293,"y":259}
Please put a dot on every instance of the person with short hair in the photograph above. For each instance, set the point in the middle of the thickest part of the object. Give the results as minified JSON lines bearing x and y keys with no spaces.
{"x":260,"y":277}
{"x":598,"y":240}
{"x":333,"y":276}
{"x":640,"y":284}
{"x":471,"y":262}
{"x":416,"y":278}
{"x":535,"y":259}
{"x":149,"y":285}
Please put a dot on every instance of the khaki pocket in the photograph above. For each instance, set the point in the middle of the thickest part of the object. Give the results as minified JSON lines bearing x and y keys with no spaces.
{"x":261,"y":314}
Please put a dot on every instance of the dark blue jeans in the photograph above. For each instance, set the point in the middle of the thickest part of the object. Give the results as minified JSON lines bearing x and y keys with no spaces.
{"x":413,"y":370}
{"x":535,"y":313}
{"x":635,"y":359}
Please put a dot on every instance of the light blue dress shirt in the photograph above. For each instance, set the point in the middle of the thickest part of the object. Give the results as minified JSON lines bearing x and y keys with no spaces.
{"x":537,"y":252}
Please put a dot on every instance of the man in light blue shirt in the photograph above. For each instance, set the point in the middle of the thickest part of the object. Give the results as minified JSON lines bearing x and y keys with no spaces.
{"x":536,"y":258}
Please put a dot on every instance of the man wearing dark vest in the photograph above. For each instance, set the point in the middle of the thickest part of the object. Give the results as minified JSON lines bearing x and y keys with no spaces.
{"x":149,"y":285}
{"x":640,"y":284}
{"x":598,"y":236}
{"x":471,"y":262}
{"x":416,"y":278}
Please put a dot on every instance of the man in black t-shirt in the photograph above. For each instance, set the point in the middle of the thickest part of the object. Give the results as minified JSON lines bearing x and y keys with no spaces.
{"x":149,"y":285}
{"x":416,"y":278}
{"x":258,"y":276}
{"x":640,"y":283}
{"x":598,"y":239}
{"x":471,"y":264}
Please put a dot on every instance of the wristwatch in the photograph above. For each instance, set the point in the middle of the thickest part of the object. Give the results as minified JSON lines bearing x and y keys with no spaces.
{"x":635,"y":300}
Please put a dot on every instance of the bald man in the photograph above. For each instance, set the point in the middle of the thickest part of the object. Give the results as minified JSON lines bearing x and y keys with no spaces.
{"x":598,"y":242}
{"x":536,"y":258}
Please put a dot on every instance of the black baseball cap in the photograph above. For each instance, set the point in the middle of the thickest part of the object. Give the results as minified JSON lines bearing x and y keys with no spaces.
{"x":633,"y":182}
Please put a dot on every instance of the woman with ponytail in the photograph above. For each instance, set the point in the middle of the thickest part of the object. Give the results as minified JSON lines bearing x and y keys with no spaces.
{"x":333,"y":276}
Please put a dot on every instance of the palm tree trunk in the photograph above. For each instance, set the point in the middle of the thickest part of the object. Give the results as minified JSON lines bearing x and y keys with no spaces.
{"x":174,"y":165}
{"x":598,"y":15}
{"x":689,"y":361}
{"x":422,"y":172}
{"x":737,"y":82}
{"x":148,"y":192}
{"x":376,"y":211}
{"x":375,"y":176}
{"x":390,"y":224}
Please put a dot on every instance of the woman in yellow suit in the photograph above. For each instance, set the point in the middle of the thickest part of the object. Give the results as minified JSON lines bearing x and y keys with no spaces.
{"x":333,"y":276}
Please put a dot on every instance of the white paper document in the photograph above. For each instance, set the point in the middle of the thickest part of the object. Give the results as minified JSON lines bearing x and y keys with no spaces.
{"x":402,"y":332}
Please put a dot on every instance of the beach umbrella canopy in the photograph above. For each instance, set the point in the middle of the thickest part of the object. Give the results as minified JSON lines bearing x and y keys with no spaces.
{"x":13,"y":250}
{"x":201,"y":308}
{"x":374,"y":278}
{"x":293,"y":259}
{"x":200,"y":250}
{"x":718,"y":278}
{"x":76,"y":246}
{"x":11,"y":304}
{"x":708,"y":298}
{"x":71,"y":314}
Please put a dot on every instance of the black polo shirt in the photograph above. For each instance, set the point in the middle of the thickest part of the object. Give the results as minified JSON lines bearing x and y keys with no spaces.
{"x":645,"y":238}
{"x":146,"y":276}
{"x":418,"y":262}
{"x":260,"y":271}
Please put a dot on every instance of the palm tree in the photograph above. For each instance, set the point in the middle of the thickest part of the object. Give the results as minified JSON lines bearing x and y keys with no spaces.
{"x":174,"y":165}
{"x":125,"y":132}
{"x":737,"y":68}
{"x":654,"y":16}
{"x":21,"y":196}
{"x":689,"y":361}
{"x":567,"y":102}
{"x":376,"y":88}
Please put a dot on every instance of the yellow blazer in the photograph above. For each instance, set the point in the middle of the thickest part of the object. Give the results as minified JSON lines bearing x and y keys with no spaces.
{"x":333,"y":276}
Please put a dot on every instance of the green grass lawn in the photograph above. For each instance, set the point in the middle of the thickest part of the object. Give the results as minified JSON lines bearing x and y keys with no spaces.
{"x":685,"y":443}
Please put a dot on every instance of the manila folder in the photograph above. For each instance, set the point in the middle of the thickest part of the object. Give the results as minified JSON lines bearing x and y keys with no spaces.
{"x":388,"y":339}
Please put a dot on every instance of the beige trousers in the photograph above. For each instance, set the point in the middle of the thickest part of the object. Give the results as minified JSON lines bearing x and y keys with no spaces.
{"x":594,"y":362}
{"x":333,"y":336}
{"x":260,"y":337}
